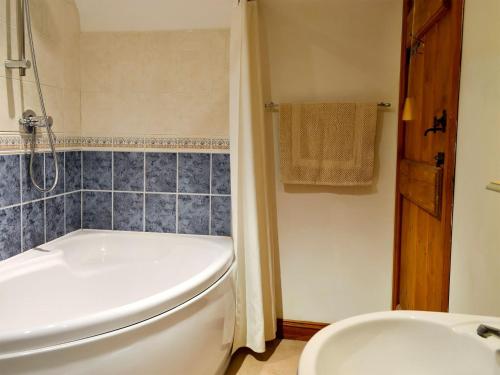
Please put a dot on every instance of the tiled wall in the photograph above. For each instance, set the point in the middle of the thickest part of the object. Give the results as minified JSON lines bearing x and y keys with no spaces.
{"x":171,"y":192}
{"x":178,"y":78}
{"x":23,"y":210}
{"x":29,"y":218}
{"x":149,"y":79}
{"x":56,"y":32}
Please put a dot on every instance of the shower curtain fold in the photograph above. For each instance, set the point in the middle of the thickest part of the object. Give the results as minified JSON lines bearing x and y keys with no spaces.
{"x":252,"y":186}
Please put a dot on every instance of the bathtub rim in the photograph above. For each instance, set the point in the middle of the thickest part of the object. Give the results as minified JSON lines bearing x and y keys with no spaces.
{"x":109,"y":320}
{"x":310,"y":355}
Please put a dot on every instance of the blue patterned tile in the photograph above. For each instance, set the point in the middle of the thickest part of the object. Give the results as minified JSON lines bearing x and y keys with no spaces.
{"x":128,"y":211}
{"x":54,"y":218}
{"x":73,"y":170}
{"x":73,"y":212}
{"x":194,"y":214}
{"x":29,"y":191}
{"x":10,"y":186}
{"x":33,"y":225}
{"x":10,"y":232}
{"x":221,"y":216}
{"x":161,"y":172}
{"x":221,"y":176}
{"x":160,"y":213}
{"x":96,"y":210}
{"x":97,"y":173}
{"x":194,"y":173}
{"x":129,"y":171}
{"x":50,"y":173}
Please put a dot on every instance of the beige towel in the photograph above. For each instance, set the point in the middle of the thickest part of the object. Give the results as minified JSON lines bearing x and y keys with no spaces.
{"x":327,"y":144}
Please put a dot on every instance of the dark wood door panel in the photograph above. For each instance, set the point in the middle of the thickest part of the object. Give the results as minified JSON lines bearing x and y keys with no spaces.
{"x":427,"y":13}
{"x":424,"y":198}
{"x":422,"y":184}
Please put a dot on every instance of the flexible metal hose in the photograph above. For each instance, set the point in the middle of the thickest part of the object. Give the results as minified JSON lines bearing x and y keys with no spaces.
{"x":50,"y":133}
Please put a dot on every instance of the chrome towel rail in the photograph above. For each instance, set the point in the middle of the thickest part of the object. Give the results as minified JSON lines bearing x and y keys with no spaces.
{"x":274,"y":107}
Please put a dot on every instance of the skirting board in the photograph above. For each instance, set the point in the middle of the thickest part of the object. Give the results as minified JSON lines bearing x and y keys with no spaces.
{"x":298,"y":330}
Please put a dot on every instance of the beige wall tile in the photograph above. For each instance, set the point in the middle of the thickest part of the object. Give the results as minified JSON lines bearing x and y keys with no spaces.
{"x":8,"y":48}
{"x":53,"y":104}
{"x":128,"y":83}
{"x":20,"y":96}
{"x":8,"y":12}
{"x":204,"y":113}
{"x":172,"y":82}
{"x":56,"y":31}
{"x":71,"y":103}
{"x":10,"y":104}
{"x":96,"y":114}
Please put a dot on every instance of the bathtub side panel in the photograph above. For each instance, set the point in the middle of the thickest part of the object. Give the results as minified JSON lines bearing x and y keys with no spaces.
{"x":195,"y":338}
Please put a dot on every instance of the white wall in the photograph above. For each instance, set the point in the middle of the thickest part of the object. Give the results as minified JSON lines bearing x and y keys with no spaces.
{"x":336,"y":245}
{"x":475,"y":267}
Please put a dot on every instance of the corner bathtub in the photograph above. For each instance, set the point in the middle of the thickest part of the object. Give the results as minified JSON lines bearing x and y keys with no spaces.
{"x":403,"y":342}
{"x":102,"y":302}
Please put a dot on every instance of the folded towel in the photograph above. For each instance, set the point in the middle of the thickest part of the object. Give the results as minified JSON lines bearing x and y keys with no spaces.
{"x":328,"y":144}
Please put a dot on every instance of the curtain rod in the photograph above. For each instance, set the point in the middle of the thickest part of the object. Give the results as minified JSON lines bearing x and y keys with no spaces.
{"x":274,"y":107}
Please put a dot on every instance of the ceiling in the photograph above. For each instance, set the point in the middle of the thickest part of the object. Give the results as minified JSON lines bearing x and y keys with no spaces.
{"x":147,"y":15}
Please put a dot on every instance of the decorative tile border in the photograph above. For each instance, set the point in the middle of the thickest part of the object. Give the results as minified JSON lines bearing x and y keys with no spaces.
{"x":19,"y":142}
{"x":22,"y":142}
{"x":128,"y":142}
{"x":42,"y":141}
{"x":170,"y":143}
{"x":195,"y":143}
{"x":220,"y":144}
{"x":10,"y":143}
{"x":72,"y":141}
{"x":97,"y":142}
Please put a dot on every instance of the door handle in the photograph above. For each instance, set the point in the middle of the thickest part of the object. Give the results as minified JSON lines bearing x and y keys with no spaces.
{"x":439,"y":124}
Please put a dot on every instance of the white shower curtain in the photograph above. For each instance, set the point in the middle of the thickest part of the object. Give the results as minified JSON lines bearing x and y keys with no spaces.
{"x":252,"y":186}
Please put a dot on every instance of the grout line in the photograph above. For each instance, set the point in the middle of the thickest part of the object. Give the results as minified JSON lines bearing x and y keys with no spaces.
{"x":144,"y":196}
{"x":210,"y":199}
{"x":45,"y":199}
{"x":81,"y":189}
{"x":64,"y":189}
{"x":21,"y":200}
{"x":112,"y":190}
{"x":152,"y":192}
{"x":177,"y":193}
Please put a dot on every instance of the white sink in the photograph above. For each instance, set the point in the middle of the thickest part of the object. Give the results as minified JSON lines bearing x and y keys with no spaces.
{"x":403,"y":342}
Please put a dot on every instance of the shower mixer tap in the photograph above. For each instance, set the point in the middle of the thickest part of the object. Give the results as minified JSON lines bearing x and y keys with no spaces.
{"x":30,"y":121}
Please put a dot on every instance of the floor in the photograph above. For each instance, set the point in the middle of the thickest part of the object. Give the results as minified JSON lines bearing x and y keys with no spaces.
{"x":281,"y":358}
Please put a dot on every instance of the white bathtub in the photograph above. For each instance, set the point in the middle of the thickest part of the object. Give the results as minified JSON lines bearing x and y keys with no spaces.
{"x":101,"y":302}
{"x":409,"y":343}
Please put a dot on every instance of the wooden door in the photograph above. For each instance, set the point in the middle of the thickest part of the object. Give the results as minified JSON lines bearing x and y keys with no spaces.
{"x":430,"y":77}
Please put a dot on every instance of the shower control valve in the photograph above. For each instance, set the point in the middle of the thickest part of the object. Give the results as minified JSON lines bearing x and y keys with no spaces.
{"x":30,"y":121}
